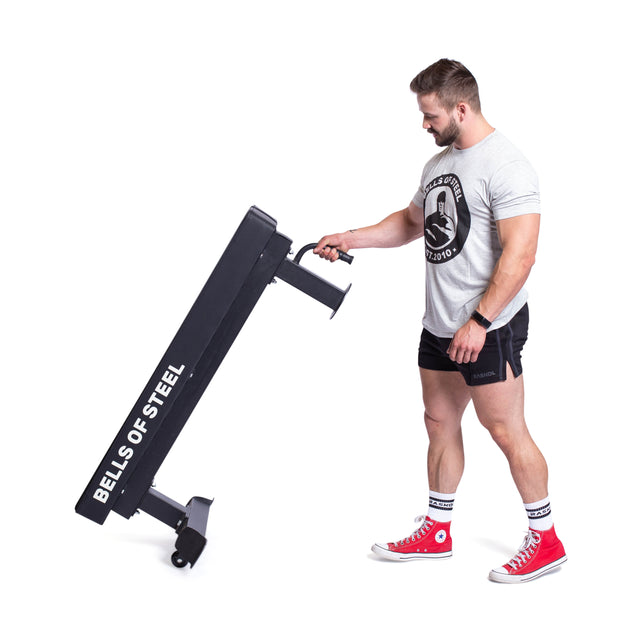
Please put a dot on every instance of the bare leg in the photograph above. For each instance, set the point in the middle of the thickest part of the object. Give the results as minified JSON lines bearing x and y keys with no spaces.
{"x":500,"y":408}
{"x":446,"y":396}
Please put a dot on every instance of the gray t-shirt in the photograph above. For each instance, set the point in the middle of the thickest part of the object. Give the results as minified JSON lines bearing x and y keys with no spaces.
{"x":462,"y":193}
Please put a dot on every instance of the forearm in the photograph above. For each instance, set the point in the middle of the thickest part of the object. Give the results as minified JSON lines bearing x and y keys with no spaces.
{"x":508,"y":277}
{"x":519,"y":240}
{"x":395,"y":230}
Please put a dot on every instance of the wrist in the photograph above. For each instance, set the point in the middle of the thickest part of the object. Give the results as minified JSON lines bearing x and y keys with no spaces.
{"x":481,"y":320}
{"x":347,"y":239}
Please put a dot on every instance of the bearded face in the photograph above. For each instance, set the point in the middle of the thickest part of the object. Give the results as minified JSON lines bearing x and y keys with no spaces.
{"x":446,"y":136}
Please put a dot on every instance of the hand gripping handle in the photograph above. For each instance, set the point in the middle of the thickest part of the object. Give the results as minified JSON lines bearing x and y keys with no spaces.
{"x":345,"y":257}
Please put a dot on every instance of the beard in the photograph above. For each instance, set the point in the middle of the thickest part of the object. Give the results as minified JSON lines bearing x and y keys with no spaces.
{"x":448,"y":136}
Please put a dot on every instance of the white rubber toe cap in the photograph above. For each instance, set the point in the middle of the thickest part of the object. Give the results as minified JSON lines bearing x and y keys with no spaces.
{"x":500,"y":571}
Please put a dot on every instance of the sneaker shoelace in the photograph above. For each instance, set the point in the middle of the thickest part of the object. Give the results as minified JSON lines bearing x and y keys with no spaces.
{"x":531,"y":541}
{"x":418,"y":533}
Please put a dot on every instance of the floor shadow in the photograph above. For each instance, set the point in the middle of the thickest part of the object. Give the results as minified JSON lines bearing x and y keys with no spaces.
{"x":498,"y":547}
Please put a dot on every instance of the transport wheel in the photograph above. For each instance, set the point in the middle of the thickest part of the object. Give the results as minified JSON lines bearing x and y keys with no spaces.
{"x":177,"y":560}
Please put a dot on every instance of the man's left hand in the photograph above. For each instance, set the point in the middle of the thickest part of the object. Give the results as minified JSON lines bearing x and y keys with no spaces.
{"x":467,"y":342}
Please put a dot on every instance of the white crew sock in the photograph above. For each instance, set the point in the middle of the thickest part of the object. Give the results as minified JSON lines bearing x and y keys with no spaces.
{"x":539,"y":514}
{"x":440,"y":506}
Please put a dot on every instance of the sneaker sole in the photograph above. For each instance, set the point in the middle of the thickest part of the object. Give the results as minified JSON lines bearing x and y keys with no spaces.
{"x":394,"y":555}
{"x":515,"y":579}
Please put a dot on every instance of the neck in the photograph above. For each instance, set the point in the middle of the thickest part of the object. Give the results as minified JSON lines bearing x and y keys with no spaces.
{"x":475,"y":130}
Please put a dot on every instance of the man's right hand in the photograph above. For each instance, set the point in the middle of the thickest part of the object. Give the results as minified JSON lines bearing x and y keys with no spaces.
{"x":328,"y":247}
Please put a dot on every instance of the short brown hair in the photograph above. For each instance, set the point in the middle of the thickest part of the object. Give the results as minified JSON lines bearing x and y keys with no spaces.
{"x":452,"y":83}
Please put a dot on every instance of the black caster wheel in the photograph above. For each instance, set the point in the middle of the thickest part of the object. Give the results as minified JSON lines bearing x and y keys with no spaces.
{"x":177,"y":560}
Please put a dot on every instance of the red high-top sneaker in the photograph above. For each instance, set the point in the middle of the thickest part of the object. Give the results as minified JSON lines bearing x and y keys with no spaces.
{"x":431,"y":540}
{"x":540,"y":552}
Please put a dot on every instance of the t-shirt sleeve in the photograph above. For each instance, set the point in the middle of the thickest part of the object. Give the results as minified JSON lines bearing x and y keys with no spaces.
{"x":514,"y":190}
{"x":418,"y":199}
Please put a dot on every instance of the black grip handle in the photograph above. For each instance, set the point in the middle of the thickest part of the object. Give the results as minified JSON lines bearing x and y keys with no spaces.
{"x":345,"y":257}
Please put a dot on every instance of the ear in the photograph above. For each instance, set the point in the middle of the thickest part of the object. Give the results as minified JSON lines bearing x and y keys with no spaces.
{"x":462,"y":110}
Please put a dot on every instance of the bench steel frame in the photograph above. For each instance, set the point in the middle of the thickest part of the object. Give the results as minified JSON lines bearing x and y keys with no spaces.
{"x":123,"y":481}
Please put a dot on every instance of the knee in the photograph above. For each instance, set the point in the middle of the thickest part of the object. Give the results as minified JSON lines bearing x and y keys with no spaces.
{"x":432,"y":424}
{"x":500,"y":434}
{"x":441,"y":426}
{"x":505,"y":435}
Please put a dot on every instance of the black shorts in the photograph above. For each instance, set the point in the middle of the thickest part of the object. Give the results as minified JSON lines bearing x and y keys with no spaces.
{"x":503,"y":345}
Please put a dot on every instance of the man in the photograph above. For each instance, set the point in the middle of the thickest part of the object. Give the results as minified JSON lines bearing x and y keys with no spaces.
{"x":478,"y":210}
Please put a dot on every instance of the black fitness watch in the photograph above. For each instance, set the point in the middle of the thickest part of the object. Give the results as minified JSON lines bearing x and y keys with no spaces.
{"x":481,"y":320}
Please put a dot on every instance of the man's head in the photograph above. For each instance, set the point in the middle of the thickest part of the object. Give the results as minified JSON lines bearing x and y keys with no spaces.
{"x":447,"y":93}
{"x":451,"y":82}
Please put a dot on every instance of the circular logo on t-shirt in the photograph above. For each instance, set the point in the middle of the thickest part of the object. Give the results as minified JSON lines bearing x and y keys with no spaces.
{"x":446,"y":218}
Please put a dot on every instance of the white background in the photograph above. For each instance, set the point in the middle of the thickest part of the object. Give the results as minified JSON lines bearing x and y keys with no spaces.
{"x":134,"y":137}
